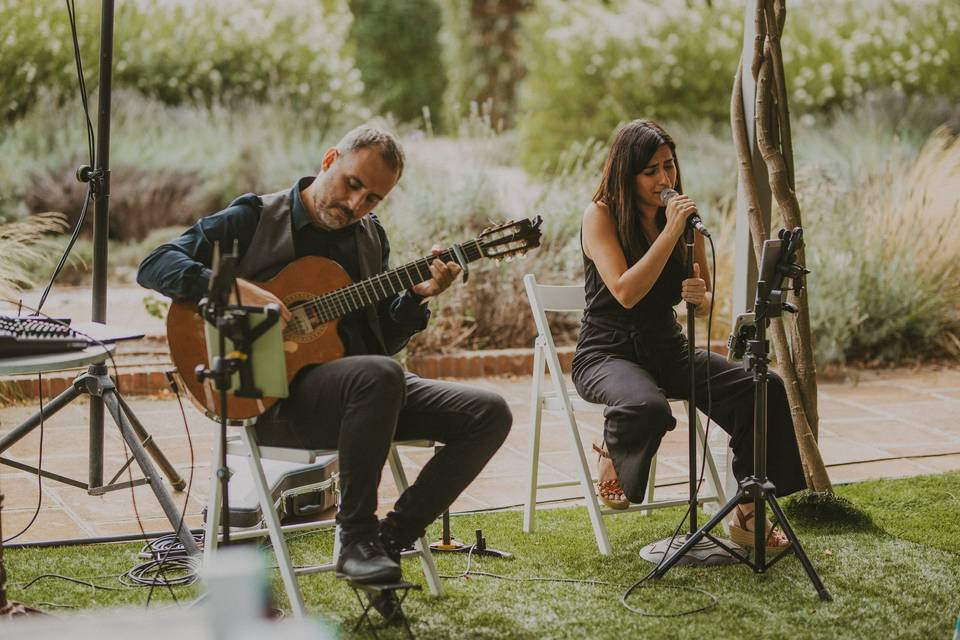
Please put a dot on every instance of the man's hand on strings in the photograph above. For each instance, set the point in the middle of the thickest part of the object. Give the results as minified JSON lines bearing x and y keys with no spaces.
{"x":254,"y":296}
{"x":444,"y":273}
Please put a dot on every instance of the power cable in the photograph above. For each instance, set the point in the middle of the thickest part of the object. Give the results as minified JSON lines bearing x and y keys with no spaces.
{"x":71,"y":12}
{"x":36,"y":511}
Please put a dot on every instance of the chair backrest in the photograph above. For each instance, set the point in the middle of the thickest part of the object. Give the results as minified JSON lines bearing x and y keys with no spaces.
{"x":548,"y":297}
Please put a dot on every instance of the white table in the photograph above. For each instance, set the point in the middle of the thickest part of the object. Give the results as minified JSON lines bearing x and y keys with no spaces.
{"x":60,"y":361}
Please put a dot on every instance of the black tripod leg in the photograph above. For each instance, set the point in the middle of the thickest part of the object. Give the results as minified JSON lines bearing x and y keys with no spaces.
{"x":695,"y":537}
{"x":151,"y":446}
{"x":798,"y":550}
{"x":31,"y":423}
{"x":156,"y":482}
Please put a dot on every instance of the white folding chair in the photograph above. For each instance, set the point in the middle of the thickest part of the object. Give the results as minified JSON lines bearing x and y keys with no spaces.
{"x":246,"y":445}
{"x":570,"y":298}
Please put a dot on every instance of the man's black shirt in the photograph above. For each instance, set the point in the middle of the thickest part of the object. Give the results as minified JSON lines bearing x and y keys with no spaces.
{"x":181,"y":268}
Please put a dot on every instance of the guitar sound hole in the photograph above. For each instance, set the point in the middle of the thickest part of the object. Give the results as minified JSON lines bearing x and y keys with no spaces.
{"x":300,"y":328}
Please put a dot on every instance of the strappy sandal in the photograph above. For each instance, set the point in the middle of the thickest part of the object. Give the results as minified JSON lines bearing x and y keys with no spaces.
{"x":609,"y":491}
{"x":777,"y":541}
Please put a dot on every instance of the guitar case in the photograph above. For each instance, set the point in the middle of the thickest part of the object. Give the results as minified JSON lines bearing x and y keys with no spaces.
{"x":303,"y":490}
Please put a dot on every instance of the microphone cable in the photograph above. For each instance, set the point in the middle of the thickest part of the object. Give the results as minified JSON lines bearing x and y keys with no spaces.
{"x":36,"y":511}
{"x":71,"y":12}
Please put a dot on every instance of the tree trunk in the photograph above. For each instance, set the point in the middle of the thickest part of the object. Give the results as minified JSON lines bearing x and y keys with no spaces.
{"x":784,"y":191}
{"x":814,"y":469}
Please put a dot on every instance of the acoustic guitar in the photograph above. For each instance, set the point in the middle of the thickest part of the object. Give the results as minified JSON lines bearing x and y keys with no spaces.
{"x":318,"y":293}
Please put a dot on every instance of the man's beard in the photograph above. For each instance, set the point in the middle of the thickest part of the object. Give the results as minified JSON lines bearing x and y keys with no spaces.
{"x":332,"y":216}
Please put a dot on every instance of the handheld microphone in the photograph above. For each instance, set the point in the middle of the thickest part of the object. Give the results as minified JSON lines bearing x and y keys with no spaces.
{"x":694,"y":220}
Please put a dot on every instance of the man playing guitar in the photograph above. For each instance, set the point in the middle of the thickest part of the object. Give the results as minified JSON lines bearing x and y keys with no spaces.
{"x":360,"y":403}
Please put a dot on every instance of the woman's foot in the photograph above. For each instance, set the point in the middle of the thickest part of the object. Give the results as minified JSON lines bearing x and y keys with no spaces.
{"x":743,"y":527}
{"x":608,"y":485}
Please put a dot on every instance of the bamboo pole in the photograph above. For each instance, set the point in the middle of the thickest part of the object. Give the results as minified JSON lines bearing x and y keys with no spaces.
{"x":783,"y":187}
{"x":814,"y":468}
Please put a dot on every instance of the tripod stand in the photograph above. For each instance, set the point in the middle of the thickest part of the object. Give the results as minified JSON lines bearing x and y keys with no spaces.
{"x":776,"y":265}
{"x":100,"y":387}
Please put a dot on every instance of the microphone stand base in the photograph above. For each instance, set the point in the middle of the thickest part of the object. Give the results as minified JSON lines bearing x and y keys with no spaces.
{"x":705,"y":553}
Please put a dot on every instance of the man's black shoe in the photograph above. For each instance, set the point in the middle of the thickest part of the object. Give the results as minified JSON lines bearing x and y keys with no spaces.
{"x":389,"y":542}
{"x":366,"y":562}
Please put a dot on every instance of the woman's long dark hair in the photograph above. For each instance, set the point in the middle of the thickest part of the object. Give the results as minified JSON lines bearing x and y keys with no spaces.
{"x":630,"y":152}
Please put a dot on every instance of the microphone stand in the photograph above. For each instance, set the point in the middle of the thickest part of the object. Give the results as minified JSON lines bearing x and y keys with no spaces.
{"x":232,"y":322}
{"x":705,"y":552}
{"x":449,"y":544}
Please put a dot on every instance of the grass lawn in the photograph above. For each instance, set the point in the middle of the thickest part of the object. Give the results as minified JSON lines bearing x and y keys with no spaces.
{"x":899,"y":578}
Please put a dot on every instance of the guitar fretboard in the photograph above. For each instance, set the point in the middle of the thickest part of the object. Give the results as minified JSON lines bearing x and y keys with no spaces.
{"x":340,"y":302}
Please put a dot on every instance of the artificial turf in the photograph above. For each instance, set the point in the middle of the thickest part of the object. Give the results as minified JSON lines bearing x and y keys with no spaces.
{"x":895,"y":577}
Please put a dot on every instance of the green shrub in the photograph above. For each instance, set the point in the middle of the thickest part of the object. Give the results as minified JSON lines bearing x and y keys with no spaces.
{"x":399,"y":57}
{"x":28,"y":251}
{"x":593,"y":65}
{"x":837,"y":52}
{"x":170,"y":164}
{"x":181,"y":52}
{"x":883,"y":254}
{"x":36,"y":54}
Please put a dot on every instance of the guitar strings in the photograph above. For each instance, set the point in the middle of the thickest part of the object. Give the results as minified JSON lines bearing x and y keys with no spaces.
{"x":351,"y":297}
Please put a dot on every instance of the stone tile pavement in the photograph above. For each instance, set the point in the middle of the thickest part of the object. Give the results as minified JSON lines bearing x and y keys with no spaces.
{"x":888,"y":424}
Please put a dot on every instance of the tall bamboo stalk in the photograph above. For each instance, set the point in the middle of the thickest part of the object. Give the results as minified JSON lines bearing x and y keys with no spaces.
{"x":814,"y":468}
{"x":783,"y":186}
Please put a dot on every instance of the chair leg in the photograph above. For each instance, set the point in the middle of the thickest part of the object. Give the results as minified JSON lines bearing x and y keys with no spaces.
{"x":429,"y":567}
{"x":211,"y":525}
{"x":421,"y":545}
{"x":586,"y":484}
{"x":576,"y":443}
{"x":270,"y":518}
{"x":536,"y":415}
{"x":337,"y":546}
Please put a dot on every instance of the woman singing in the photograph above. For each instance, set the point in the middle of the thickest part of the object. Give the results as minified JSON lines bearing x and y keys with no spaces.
{"x":631,"y":355}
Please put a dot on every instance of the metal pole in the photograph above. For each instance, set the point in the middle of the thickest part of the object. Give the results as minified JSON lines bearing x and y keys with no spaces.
{"x":760,"y":363}
{"x":101,"y":193}
{"x":692,"y":400}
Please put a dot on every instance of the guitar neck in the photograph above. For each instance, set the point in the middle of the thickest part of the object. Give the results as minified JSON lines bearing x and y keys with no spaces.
{"x":340,"y":302}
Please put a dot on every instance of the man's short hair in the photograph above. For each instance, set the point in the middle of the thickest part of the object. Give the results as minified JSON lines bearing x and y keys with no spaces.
{"x":385,"y":142}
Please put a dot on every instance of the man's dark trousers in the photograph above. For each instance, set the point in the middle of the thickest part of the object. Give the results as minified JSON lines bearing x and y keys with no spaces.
{"x":359,"y":405}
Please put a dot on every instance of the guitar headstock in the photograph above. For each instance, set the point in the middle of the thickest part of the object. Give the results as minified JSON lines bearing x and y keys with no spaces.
{"x":510,"y":238}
